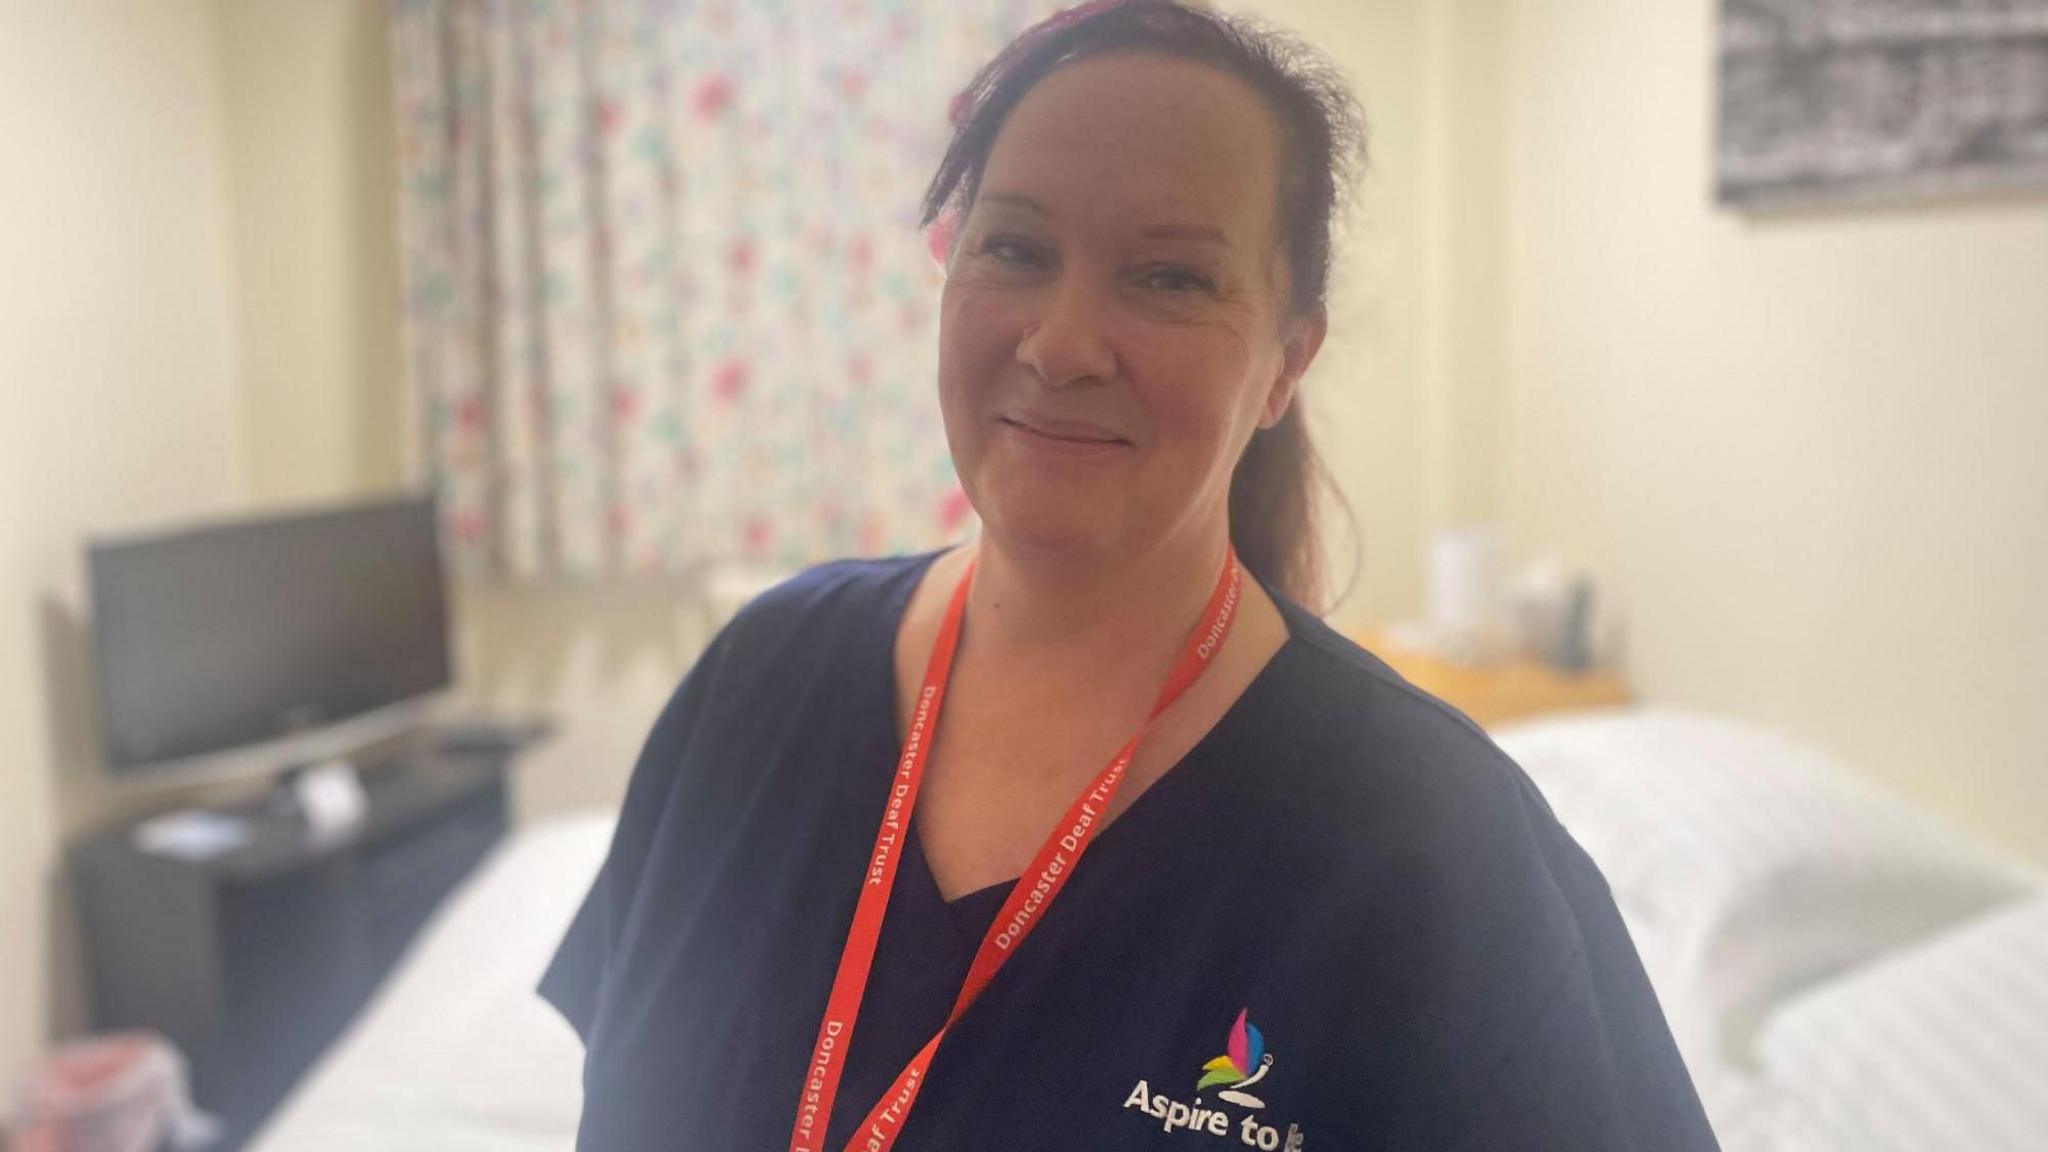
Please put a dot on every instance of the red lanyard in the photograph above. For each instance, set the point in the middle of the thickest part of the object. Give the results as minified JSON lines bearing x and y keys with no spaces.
{"x":1026,"y":905}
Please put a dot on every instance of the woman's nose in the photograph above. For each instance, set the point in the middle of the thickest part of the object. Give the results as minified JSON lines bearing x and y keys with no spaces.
{"x":1067,"y":342}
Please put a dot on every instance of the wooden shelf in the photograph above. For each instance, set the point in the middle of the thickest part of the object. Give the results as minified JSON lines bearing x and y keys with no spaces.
{"x":1496,"y":694}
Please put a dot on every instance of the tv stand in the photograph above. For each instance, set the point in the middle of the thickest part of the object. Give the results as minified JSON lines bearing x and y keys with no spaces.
{"x":252,"y":961}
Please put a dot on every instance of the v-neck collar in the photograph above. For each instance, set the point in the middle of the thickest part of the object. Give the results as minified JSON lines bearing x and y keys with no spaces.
{"x":983,"y":904}
{"x":968,"y":915}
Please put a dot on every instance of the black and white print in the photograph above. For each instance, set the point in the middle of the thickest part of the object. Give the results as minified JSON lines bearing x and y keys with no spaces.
{"x":1827,"y":100}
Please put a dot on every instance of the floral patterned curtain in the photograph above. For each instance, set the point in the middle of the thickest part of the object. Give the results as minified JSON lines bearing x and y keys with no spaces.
{"x":666,"y":302}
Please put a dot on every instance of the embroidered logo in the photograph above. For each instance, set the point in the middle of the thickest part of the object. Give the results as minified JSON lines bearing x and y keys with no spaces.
{"x":1244,"y":1062}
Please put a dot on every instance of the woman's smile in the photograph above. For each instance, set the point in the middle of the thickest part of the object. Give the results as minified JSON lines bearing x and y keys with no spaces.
{"x":1067,"y":438}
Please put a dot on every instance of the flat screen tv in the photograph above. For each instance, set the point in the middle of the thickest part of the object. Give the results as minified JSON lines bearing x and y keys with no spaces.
{"x":268,"y":643}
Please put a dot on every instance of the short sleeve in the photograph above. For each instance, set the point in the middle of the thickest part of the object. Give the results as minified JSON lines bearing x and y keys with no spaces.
{"x":575,"y":980}
{"x":1594,"y":1068}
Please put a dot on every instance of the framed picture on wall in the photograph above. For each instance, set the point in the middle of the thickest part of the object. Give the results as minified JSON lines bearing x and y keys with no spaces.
{"x":1855,"y":100}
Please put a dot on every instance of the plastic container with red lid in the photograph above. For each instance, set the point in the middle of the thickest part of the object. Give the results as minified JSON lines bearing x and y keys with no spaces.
{"x":119,"y":1093}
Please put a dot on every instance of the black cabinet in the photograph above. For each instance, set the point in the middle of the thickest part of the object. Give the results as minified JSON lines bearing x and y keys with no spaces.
{"x":253,"y":961}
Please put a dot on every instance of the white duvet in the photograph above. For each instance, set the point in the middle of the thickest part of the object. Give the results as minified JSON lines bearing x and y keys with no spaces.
{"x":1762,"y":884}
{"x":456,"y":1053}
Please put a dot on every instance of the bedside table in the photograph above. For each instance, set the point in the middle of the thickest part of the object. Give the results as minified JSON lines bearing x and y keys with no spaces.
{"x":1516,"y":688}
{"x":252,"y":962}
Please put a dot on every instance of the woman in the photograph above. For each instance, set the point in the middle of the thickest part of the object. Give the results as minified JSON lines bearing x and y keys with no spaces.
{"x":1312,"y":907}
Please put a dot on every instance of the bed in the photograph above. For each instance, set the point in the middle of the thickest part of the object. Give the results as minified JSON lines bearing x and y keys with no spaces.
{"x":455,"y":1053}
{"x":1841,"y":971}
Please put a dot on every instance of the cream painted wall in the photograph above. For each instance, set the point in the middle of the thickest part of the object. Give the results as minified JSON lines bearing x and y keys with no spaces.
{"x":315,"y":208}
{"x":1463,"y":230}
{"x":1805,"y":451}
{"x":1367,"y":394}
{"x":117,"y":377}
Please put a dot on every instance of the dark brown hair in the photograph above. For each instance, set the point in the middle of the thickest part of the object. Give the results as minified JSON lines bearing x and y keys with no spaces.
{"x":1274,"y":489}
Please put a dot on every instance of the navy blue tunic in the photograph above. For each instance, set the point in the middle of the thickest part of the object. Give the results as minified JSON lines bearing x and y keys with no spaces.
{"x":1428,"y":960}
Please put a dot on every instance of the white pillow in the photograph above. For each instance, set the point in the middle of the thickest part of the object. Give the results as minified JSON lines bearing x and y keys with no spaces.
{"x":1748,"y":866}
{"x":1944,"y":1045}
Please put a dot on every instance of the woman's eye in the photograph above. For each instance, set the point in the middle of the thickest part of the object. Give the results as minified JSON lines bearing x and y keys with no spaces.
{"x":1170,"y":279}
{"x":1010,"y":250}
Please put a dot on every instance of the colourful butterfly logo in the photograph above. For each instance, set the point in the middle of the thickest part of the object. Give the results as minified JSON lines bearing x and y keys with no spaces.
{"x":1243,"y":1063}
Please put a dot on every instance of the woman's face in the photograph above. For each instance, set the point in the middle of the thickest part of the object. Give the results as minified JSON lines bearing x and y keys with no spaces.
{"x":1113,"y":326}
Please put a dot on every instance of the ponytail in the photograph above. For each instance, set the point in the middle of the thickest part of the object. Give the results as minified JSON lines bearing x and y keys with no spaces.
{"x":1273,"y":509}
